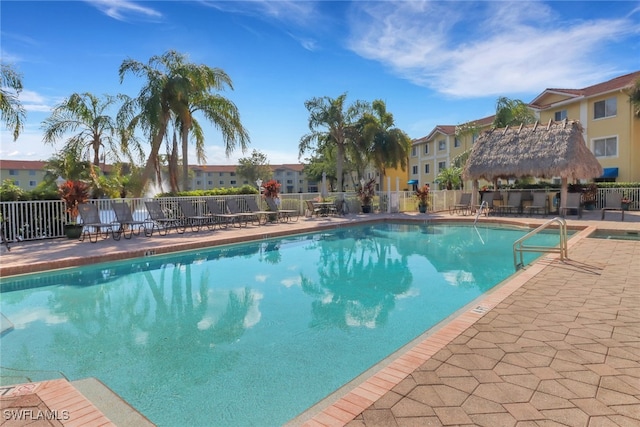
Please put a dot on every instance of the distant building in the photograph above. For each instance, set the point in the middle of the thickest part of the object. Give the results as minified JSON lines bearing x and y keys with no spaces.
{"x":290,"y":177}
{"x":26,"y":174}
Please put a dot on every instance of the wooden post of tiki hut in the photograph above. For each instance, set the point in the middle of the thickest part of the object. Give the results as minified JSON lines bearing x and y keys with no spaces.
{"x":555,"y":150}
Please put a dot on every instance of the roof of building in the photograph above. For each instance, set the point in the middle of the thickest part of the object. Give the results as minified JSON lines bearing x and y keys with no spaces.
{"x":451,"y":129}
{"x":614,"y":84}
{"x":22,"y":164}
{"x":538,"y":150}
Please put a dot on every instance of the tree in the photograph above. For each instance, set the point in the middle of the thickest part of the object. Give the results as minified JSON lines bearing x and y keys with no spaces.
{"x":85,"y":114}
{"x":450,"y":178}
{"x":67,"y":164}
{"x":330,"y":124}
{"x":511,"y":112}
{"x":254,"y":167}
{"x":634,"y":97}
{"x":388,"y":145}
{"x":12,"y":113}
{"x":173,"y":90}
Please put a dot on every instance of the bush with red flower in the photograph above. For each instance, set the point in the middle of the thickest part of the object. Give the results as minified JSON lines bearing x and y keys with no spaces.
{"x":271,"y":189}
{"x":73,"y":193}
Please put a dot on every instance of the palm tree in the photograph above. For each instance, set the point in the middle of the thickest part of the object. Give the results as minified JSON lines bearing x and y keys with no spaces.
{"x":450,"y":177}
{"x":12,"y":113}
{"x":634,"y":97}
{"x":389,"y":146}
{"x":330,"y":124}
{"x":511,"y":112}
{"x":174,"y":90}
{"x":86,"y":114}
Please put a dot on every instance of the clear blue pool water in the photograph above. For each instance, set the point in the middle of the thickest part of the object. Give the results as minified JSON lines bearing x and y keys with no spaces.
{"x":251,"y":334}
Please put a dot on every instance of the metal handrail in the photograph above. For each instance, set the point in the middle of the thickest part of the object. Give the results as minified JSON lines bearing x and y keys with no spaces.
{"x":519,"y":247}
{"x":483,"y":204}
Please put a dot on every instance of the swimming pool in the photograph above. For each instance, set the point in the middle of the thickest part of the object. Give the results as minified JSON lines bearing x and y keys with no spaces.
{"x":250,"y":334}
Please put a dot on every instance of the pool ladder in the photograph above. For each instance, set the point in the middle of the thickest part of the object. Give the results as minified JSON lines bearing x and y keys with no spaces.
{"x":519,"y":246}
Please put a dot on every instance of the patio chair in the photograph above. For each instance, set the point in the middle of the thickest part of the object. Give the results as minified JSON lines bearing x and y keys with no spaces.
{"x":128,"y":227}
{"x":192,"y":218}
{"x":92,"y":225}
{"x":486,"y":203}
{"x":159,"y":221}
{"x":232,"y":205}
{"x":463,"y":206}
{"x":219,"y":216}
{"x":513,"y":205}
{"x":574,"y":202}
{"x":283,"y":214}
{"x":312,"y":209}
{"x":540,"y":202}
{"x":262,"y":216}
{"x":613,"y":202}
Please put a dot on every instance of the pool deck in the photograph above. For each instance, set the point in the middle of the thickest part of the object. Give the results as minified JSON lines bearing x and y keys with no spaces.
{"x":556,"y":344}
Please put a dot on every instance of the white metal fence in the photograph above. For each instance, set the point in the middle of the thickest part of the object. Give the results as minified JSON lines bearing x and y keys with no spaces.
{"x":45,"y":219}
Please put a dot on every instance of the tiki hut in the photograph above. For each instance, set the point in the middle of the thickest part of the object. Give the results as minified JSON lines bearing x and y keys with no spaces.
{"x":555,"y":150}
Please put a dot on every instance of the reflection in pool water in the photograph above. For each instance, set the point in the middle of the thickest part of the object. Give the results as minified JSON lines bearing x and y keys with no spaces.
{"x":250,"y":334}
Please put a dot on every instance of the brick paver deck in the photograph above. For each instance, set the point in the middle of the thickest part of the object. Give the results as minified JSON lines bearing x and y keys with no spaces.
{"x":558,"y":344}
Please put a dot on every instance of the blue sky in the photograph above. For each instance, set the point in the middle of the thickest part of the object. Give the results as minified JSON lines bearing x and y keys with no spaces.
{"x":432,"y":62}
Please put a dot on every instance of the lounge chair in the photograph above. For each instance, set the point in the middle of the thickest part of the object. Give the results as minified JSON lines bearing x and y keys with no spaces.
{"x":219,"y":216}
{"x":191,"y":217}
{"x":486,"y":203}
{"x":283,"y":214}
{"x":232,"y":205}
{"x":513,"y":205}
{"x":540,"y":203}
{"x":92,"y":225}
{"x":128,"y":227}
{"x":262,"y":216}
{"x":463,"y":206}
{"x":574,"y":202}
{"x":312,"y":209}
{"x":613,"y":202}
{"x":159,"y":221}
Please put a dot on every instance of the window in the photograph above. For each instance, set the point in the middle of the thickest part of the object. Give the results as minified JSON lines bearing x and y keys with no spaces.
{"x":220,"y":173}
{"x":32,"y":173}
{"x":233,"y":182}
{"x":474,"y":138}
{"x":414,"y":170}
{"x":289,"y":173}
{"x":560,"y":115}
{"x":210,"y":183}
{"x":441,"y":166}
{"x":32,"y":183}
{"x":232,"y":174}
{"x":413,"y":151}
{"x":456,"y":143}
{"x":442,"y":145}
{"x":426,"y":148}
{"x":606,"y":147}
{"x":426,"y":168}
{"x":13,"y":172}
{"x":209,"y":174}
{"x":606,"y":108}
{"x":221,"y":182}
{"x":289,"y":181}
{"x":198,"y":174}
{"x":198,"y":183}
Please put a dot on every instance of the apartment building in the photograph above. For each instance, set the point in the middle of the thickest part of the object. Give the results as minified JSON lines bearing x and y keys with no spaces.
{"x":436,"y":151}
{"x":611,"y":129}
{"x":26,"y":174}
{"x":290,"y":177}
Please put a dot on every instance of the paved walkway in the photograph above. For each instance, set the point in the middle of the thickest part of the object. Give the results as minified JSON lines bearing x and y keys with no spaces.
{"x":559,"y":344}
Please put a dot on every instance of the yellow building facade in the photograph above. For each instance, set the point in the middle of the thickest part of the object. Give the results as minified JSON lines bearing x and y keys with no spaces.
{"x":611,"y":129}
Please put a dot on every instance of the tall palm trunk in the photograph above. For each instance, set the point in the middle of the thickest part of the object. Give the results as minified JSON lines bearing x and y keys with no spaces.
{"x":185,"y":164}
{"x":155,"y":149}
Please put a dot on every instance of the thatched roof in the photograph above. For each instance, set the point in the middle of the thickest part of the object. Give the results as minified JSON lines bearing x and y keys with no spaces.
{"x":555,"y":150}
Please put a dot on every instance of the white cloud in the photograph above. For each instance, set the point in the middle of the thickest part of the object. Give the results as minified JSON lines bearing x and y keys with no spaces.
{"x":494,"y":48}
{"x":124,"y":9}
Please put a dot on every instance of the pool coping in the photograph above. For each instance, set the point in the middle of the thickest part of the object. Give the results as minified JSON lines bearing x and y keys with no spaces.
{"x":346,"y":403}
